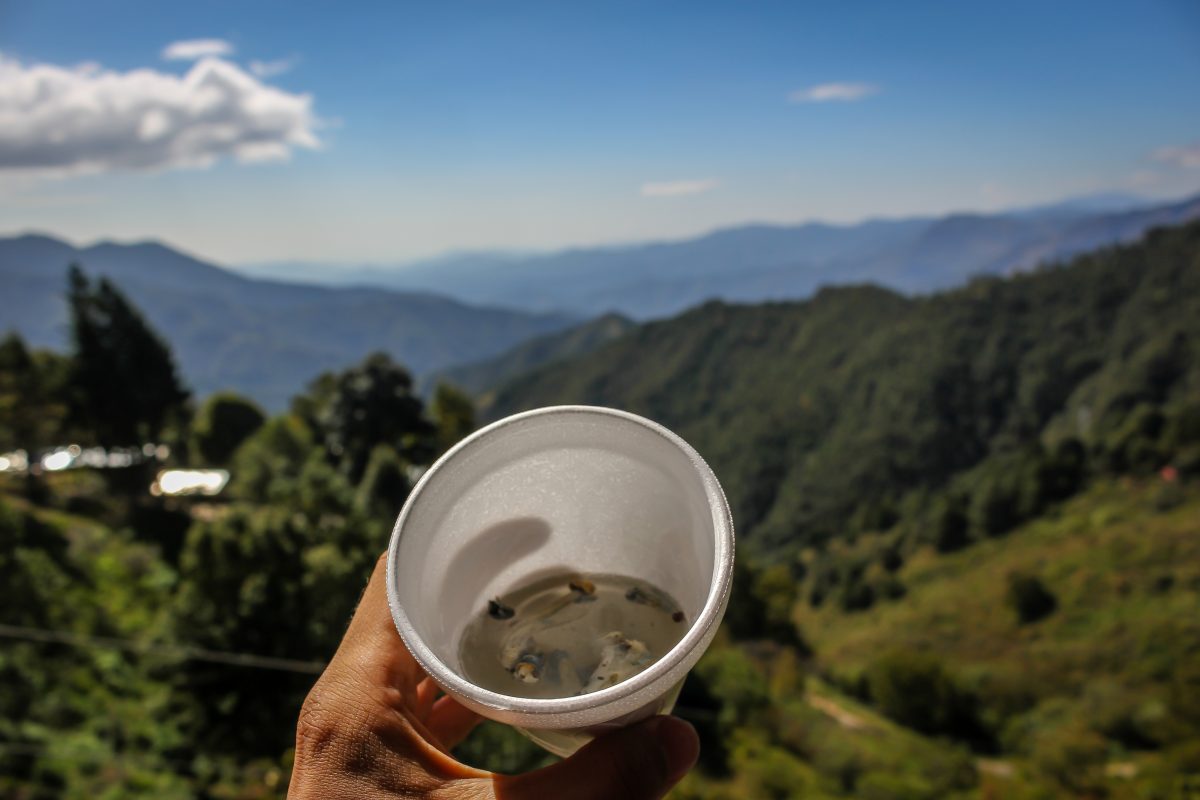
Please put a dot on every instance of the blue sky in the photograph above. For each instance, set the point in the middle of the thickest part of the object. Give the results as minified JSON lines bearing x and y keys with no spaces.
{"x":353,"y":134}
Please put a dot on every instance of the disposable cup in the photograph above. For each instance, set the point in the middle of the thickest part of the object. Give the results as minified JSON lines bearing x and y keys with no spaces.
{"x":560,"y":489}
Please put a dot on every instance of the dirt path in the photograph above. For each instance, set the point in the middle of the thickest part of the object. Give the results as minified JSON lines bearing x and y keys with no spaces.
{"x":847,"y":719}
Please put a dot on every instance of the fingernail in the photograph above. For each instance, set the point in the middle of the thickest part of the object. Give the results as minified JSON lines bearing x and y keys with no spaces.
{"x":679,"y":742}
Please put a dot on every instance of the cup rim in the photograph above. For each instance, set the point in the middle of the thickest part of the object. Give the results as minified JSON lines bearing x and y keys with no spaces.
{"x":692,"y":642}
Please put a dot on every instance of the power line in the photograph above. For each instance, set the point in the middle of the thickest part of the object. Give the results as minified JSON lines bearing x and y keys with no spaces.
{"x":183,"y":651}
{"x":83,"y":755}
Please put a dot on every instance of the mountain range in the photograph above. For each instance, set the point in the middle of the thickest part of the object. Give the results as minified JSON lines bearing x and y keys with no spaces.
{"x":773,"y":262}
{"x":266,"y":339}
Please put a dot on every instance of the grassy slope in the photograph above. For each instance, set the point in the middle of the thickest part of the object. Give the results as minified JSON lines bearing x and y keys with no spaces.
{"x":1126,"y":573}
{"x":1127,"y":578}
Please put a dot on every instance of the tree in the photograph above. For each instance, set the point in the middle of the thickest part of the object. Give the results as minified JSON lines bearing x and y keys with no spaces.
{"x":996,"y":507}
{"x":241,"y":591}
{"x":1030,"y":598}
{"x":453,"y":413}
{"x":384,"y":486}
{"x":915,"y":690}
{"x":123,"y":380}
{"x":32,"y":412}
{"x":950,"y":525}
{"x":271,"y":458}
{"x":221,"y":425}
{"x":372,"y":404}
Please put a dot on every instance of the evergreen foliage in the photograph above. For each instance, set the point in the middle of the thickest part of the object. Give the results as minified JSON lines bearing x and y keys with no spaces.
{"x":1030,"y":598}
{"x":123,"y":383}
{"x":453,"y":412}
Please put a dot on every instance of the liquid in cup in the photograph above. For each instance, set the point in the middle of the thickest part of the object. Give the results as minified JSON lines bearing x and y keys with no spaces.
{"x":567,"y":490}
{"x":568,"y":635}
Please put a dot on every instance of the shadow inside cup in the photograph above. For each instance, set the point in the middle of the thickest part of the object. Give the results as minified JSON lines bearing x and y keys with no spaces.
{"x":502,"y":544}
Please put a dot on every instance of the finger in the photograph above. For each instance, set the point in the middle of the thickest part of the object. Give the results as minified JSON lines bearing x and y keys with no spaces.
{"x":371,"y":642}
{"x":641,"y":762}
{"x":427,"y":692}
{"x":450,"y":721}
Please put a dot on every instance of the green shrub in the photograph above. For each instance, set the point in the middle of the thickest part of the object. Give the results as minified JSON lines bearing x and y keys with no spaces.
{"x":738,"y":682}
{"x":1029,"y":598}
{"x":221,"y":425}
{"x":995,"y":508}
{"x":950,"y":524}
{"x":887,"y":786}
{"x":915,"y":690}
{"x":1074,"y":757}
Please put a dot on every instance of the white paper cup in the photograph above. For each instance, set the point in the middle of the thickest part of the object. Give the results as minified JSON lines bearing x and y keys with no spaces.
{"x":565,"y":488}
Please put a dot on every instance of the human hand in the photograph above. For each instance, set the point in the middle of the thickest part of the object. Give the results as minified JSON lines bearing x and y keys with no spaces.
{"x":373,"y":727}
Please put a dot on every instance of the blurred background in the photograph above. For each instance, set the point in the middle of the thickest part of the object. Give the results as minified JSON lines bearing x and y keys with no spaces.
{"x":921,"y":281}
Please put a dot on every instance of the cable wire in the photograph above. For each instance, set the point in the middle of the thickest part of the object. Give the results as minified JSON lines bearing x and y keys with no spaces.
{"x":184,"y":651}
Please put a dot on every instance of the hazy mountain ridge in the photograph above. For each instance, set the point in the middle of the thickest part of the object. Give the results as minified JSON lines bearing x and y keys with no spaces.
{"x":781,"y":262}
{"x":263,"y":338}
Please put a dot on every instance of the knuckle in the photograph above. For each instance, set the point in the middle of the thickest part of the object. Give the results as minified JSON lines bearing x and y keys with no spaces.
{"x":315,"y":729}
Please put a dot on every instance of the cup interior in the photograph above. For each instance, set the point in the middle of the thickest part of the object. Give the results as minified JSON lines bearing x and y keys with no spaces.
{"x":570,"y":488}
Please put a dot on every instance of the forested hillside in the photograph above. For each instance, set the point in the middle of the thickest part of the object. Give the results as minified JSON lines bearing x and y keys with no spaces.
{"x":480,"y":376}
{"x":836,"y":413}
{"x":968,"y":567}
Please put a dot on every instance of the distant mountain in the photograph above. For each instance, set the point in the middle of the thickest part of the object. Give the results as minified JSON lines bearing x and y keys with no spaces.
{"x":812,"y":412}
{"x":775,"y":262}
{"x":1097,"y":203}
{"x":572,"y":343}
{"x":264,"y":338}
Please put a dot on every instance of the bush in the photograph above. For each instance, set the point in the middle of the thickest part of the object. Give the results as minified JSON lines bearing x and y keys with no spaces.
{"x":885,"y":786}
{"x":1134,"y":446}
{"x":995,"y":509}
{"x":221,"y":425}
{"x":950,"y":525}
{"x":761,"y":604}
{"x":915,"y":690}
{"x":857,"y":596}
{"x":1029,"y":598}
{"x":730,"y":675}
{"x":1073,"y":757}
{"x":1061,"y":473}
{"x":384,"y":486}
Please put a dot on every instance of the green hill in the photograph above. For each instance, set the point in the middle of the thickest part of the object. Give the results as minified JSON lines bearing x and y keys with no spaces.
{"x":479,"y":376}
{"x":972,"y":572}
{"x":838,"y":413}
{"x":1096,"y":699}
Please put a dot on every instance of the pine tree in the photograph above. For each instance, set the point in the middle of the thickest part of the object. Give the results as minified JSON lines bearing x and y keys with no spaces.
{"x":123,"y":381}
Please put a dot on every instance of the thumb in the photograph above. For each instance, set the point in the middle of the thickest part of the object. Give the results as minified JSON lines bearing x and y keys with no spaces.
{"x":641,"y":762}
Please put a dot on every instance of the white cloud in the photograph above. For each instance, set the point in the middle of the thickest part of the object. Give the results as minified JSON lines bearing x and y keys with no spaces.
{"x":677,"y":188}
{"x":58,"y":121}
{"x":1186,"y":156}
{"x":193,"y":49}
{"x":829,"y":92}
{"x":269,"y":69}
